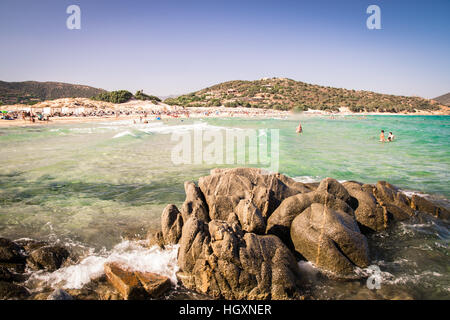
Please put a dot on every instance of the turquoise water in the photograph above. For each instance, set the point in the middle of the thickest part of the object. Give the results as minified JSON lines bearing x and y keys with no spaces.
{"x":96,"y":184}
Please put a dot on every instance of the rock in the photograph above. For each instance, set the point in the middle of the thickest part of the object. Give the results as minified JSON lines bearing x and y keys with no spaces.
{"x":155,"y":239}
{"x":49,"y":258}
{"x":154,"y":284}
{"x":250,"y":217}
{"x":195,"y":203}
{"x":5,"y":274}
{"x":29,"y":244}
{"x":280,"y":221}
{"x":12,"y":291}
{"x":368,"y":213}
{"x":171,"y":224}
{"x":421,"y":204}
{"x":225,"y":262}
{"x":330,"y":239}
{"x":11,"y":252}
{"x":330,"y":185}
{"x":59,"y":294}
{"x":194,"y":236}
{"x":136,"y":285}
{"x":125,"y":281}
{"x":224,"y":189}
{"x":396,"y":204}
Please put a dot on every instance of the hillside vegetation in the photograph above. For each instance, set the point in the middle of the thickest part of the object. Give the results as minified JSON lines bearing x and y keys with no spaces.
{"x":122,"y":96}
{"x":32,"y":92}
{"x":287,"y":94}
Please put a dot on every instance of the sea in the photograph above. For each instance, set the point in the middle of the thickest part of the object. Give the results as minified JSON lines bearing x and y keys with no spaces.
{"x":100,"y":187}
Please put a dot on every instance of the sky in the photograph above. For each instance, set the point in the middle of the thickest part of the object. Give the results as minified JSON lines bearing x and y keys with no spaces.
{"x":177,"y":46}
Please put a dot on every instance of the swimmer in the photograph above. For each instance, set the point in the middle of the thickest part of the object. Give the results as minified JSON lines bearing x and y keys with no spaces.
{"x":390,"y":137}
{"x":299,"y":128}
{"x":382,"y":139}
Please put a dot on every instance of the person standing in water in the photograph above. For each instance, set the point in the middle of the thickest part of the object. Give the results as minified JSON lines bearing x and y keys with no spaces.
{"x":382,"y":139}
{"x":390,"y":137}
{"x":299,"y":128}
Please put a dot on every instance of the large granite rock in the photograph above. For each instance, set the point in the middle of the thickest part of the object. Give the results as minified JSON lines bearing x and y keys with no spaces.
{"x":223,"y":261}
{"x":395,"y":203}
{"x":330,"y":239}
{"x":279,"y":223}
{"x":368,"y":212}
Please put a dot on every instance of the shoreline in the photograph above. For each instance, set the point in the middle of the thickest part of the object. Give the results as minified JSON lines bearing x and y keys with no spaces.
{"x":200,"y":113}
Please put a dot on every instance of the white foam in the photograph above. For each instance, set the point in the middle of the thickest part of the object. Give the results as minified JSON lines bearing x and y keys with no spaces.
{"x":307,"y":179}
{"x":130,"y":253}
{"x":124,"y":133}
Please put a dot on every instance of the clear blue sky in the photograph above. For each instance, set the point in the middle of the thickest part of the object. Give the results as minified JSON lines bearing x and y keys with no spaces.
{"x":178,"y":46}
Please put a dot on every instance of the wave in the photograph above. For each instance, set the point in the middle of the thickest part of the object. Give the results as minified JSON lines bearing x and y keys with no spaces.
{"x":133,"y":254}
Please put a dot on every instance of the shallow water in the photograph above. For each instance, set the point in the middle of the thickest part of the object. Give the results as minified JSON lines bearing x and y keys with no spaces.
{"x":94,"y":185}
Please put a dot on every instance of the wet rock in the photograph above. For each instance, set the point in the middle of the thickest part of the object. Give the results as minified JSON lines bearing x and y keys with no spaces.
{"x":59,"y":294}
{"x":368,"y":213}
{"x":125,"y":282}
{"x":154,"y":284}
{"x":421,"y":204}
{"x":195,"y":204}
{"x":136,"y":285}
{"x":11,"y":252}
{"x":330,"y":239}
{"x":171,"y":224}
{"x":97,"y":289}
{"x":49,"y":258}
{"x":250,"y":217}
{"x":12,"y":291}
{"x":5,"y":274}
{"x":29,"y":244}
{"x":155,"y":238}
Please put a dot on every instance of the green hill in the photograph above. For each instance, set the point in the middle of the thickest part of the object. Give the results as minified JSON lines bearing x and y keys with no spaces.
{"x":287,"y":94}
{"x":31,"y":92}
{"x":444,"y":99}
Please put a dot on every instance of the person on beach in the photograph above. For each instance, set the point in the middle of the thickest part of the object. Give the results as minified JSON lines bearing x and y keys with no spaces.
{"x":382,"y":139}
{"x":390,"y":137}
{"x":299,"y":128}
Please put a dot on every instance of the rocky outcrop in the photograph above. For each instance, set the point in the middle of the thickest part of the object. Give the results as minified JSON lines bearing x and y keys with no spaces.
{"x":421,"y":204}
{"x":330,"y":239}
{"x":49,"y":257}
{"x":12,"y":291}
{"x":136,"y":285}
{"x":221,"y":260}
{"x":280,"y":221}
